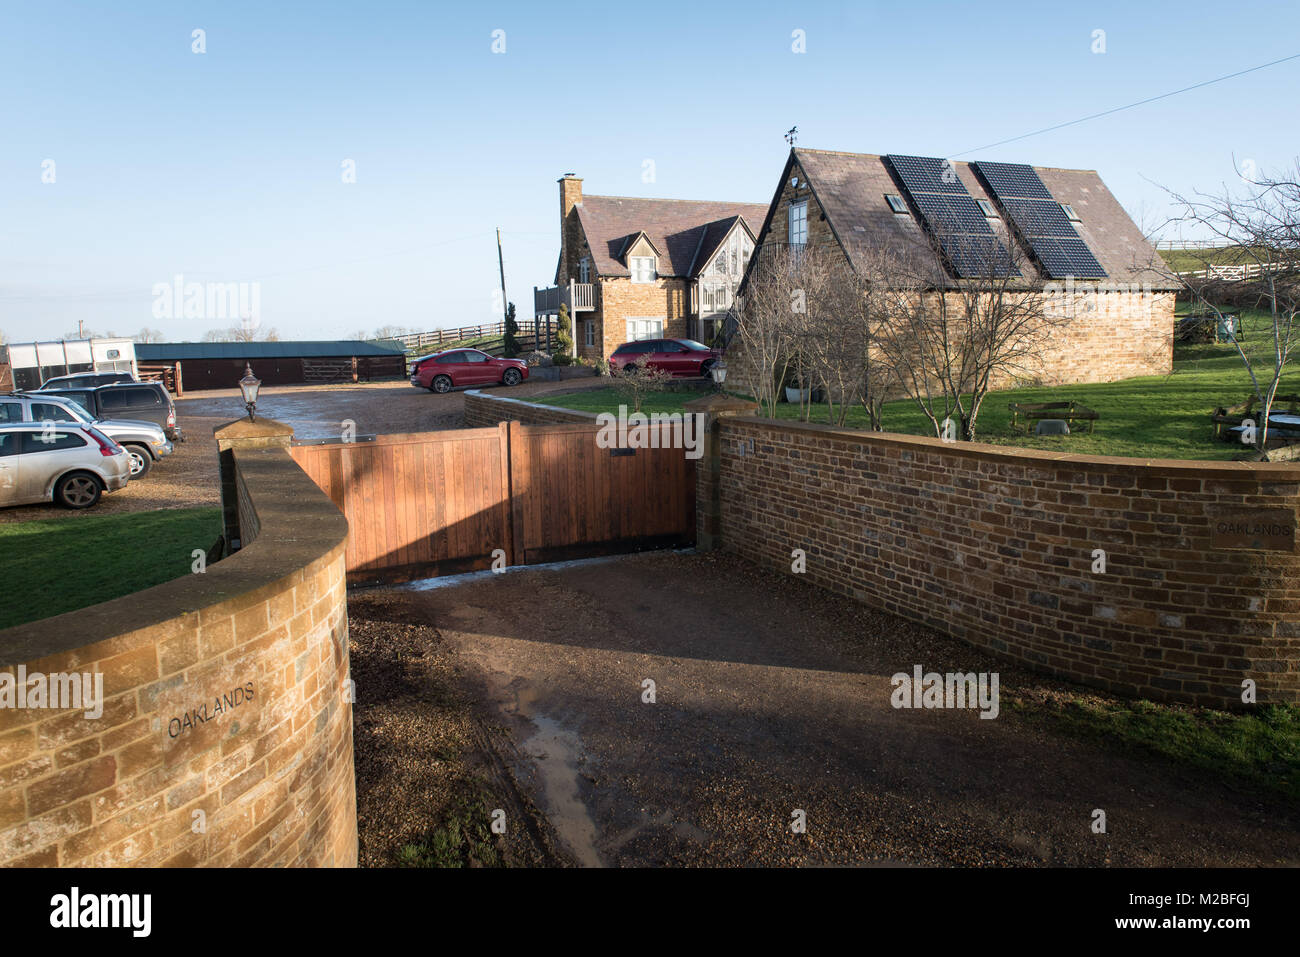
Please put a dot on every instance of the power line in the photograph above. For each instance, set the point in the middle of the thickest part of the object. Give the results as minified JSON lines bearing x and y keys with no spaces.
{"x":1129,"y":106}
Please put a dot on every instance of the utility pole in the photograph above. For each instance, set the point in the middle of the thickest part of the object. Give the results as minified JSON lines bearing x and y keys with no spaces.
{"x":81,"y":328}
{"x":505,"y":303}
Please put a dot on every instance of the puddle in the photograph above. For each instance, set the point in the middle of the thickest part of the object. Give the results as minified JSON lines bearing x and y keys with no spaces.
{"x":556,"y":752}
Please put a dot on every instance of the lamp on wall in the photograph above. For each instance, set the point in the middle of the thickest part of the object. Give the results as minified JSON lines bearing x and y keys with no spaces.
{"x":249,"y":385}
{"x":719,"y":372}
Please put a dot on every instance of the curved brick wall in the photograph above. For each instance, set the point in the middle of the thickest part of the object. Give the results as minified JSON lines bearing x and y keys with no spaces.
{"x":1202,"y":587}
{"x":225,"y":694}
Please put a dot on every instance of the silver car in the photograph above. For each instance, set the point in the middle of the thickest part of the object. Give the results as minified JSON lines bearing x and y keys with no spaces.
{"x":71,"y":464}
{"x":145,"y":441}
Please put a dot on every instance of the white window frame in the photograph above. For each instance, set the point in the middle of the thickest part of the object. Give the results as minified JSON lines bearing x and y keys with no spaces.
{"x":644,"y":327}
{"x":798,"y":232}
{"x":584,"y":270}
{"x":589,"y":333}
{"x":643,"y":269}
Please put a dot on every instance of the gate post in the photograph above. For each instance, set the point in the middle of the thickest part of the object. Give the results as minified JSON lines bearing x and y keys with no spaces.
{"x":708,"y":468}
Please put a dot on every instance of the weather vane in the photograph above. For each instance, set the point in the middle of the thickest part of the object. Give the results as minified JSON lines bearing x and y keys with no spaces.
{"x":791,"y":134}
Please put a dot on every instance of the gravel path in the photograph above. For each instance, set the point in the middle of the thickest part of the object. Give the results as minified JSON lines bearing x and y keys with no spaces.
{"x":774,"y":697}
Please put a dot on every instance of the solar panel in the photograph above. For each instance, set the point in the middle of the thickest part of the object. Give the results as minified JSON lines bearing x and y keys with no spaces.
{"x":976,"y":257}
{"x":1013,"y":180}
{"x":950,"y":213}
{"x":926,"y":174}
{"x":1062,"y":257}
{"x":1040,"y":221}
{"x":1039,"y":217}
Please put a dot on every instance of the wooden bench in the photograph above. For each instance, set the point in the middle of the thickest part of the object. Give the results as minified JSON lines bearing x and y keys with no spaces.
{"x":1227,"y":418}
{"x":1033,"y":411}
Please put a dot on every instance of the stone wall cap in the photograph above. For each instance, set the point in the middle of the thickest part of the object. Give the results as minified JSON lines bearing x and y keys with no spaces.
{"x":1041,"y":458}
{"x":718,"y":403}
{"x":244,"y":429}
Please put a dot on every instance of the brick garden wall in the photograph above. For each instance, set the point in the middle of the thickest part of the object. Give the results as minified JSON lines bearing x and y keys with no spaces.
{"x":996,"y":547}
{"x":269,"y":765}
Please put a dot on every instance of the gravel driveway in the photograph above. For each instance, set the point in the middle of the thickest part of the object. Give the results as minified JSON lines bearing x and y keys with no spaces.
{"x":772,"y":697}
{"x":188,"y":477}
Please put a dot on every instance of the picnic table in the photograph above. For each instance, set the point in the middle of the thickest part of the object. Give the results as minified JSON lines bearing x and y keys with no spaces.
{"x":1283,"y":418}
{"x":1033,"y":411}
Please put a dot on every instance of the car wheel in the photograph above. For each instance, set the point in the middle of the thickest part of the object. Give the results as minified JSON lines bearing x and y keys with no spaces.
{"x":441,"y":384}
{"x":512,"y":377}
{"x":78,"y":490}
{"x":141,"y":460}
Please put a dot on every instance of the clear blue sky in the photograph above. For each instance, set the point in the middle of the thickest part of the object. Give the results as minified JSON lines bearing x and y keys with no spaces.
{"x":226,"y":166}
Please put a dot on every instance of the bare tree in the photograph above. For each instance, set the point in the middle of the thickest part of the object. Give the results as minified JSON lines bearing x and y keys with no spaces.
{"x":1260,"y":231}
{"x":637,"y":380}
{"x":765,"y":313}
{"x":949,"y":342}
{"x":148,"y":335}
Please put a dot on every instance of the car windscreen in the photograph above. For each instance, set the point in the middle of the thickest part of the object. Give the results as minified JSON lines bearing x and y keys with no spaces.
{"x":693,"y":345}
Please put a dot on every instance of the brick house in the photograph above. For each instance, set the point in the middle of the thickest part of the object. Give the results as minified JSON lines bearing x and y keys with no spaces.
{"x":646,"y":268}
{"x":1078,"y":243}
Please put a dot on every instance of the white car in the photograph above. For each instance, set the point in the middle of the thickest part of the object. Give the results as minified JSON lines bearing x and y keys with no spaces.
{"x":68,"y":463}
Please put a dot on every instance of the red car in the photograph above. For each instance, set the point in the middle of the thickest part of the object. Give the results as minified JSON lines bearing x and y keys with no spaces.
{"x":678,"y":357}
{"x":444,"y":371}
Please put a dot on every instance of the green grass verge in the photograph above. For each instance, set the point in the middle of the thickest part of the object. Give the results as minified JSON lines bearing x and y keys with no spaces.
{"x":53,"y":565}
{"x":1257,"y":751}
{"x":1154,"y":417}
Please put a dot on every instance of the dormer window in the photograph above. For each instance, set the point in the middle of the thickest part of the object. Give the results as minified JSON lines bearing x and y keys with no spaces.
{"x":642,"y":268}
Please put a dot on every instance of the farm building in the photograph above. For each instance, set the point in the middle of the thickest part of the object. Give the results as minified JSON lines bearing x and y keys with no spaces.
{"x":220,"y":365}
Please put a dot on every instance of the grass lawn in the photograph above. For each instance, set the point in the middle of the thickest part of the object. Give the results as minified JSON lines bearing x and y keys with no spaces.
{"x":1259,"y":751}
{"x":1150,"y":417}
{"x":54,"y":565}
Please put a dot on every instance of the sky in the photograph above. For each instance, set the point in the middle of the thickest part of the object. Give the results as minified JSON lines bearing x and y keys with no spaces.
{"x":229,"y":165}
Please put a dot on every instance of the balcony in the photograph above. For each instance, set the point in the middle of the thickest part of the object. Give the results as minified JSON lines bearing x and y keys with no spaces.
{"x":578,"y":296}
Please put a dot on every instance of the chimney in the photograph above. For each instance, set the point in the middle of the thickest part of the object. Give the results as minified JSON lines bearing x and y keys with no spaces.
{"x":570,"y":196}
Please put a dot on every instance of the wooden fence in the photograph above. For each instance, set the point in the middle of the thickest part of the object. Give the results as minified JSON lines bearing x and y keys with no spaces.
{"x":528,"y":328}
{"x":436,"y":503}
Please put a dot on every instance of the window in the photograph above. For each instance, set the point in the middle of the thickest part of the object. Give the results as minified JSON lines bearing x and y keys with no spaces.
{"x":11,"y":412}
{"x":799,"y":223}
{"x":1070,"y":213}
{"x":643,"y":269}
{"x":589,"y":332}
{"x":137,"y":397}
{"x":896,"y":202}
{"x":50,"y":442}
{"x":450,"y":358}
{"x":473,"y":355}
{"x":8,"y":443}
{"x":51,"y":412}
{"x":584,"y":270}
{"x":645,"y":329}
{"x":986,"y":207}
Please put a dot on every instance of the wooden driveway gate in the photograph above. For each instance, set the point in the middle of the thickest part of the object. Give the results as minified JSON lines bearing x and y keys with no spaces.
{"x":426,"y":504}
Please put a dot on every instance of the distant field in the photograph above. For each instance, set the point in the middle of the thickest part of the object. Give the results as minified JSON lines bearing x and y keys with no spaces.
{"x":1189,"y":260}
{"x":1151,"y":417}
